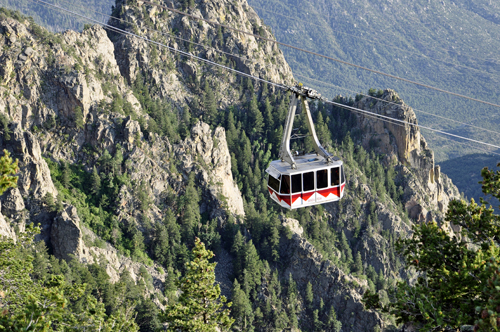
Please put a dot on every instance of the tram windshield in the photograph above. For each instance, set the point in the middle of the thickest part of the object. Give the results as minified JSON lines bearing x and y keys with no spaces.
{"x":342,"y":173}
{"x":274,"y":183}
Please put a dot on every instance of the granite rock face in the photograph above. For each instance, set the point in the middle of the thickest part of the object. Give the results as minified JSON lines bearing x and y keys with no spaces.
{"x":427,"y":194}
{"x":212,"y":148}
{"x":255,"y":57}
{"x":329,"y":282}
{"x":66,"y":235}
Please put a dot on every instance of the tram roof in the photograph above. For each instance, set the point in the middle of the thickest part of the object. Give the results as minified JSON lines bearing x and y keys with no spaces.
{"x":305,"y":163}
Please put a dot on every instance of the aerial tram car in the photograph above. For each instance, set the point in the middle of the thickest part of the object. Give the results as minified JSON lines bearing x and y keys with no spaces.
{"x":296,"y":181}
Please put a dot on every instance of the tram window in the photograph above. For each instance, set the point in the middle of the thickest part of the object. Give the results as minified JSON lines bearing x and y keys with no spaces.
{"x":335,"y":176}
{"x":274,"y":183}
{"x":296,"y":183}
{"x":308,"y":181}
{"x":342,"y":173}
{"x":285,"y":184}
{"x":322,"y":179}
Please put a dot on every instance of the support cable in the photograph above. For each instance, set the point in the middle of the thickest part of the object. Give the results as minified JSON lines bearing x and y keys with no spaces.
{"x":323,"y":56}
{"x":395,"y":103}
{"x":308,"y":78}
{"x":281,"y":86}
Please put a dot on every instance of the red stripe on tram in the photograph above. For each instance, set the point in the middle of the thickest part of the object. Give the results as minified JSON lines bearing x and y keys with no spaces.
{"x":326,"y":192}
{"x":286,"y":198}
{"x":306,"y":196}
{"x":295,"y":197}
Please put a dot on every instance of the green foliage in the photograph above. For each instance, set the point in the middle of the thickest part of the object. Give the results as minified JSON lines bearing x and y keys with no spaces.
{"x":200,"y":306}
{"x":94,"y":202}
{"x":209,"y":104}
{"x":4,"y":125}
{"x":458,"y":273}
{"x":242,"y":309}
{"x":45,"y":304}
{"x":78,"y":117}
{"x":163,"y":120}
{"x":8,"y":168}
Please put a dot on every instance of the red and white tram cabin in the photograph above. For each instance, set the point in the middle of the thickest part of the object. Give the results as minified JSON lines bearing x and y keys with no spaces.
{"x":312,"y":182}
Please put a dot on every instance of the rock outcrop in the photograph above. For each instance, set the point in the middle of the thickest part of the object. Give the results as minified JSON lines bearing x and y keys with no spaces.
{"x":66,"y":235}
{"x":428,"y":193}
{"x":5,"y":229}
{"x":335,"y":288}
{"x":252,"y":56}
{"x":212,"y":148}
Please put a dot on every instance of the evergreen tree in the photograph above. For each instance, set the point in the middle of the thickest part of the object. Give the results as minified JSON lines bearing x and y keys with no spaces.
{"x":28,"y":304}
{"x":268,"y":115}
{"x":345,"y":249}
{"x":106,"y":161}
{"x":256,"y":119}
{"x":210,"y":104}
{"x":309,"y":295}
{"x":95,"y":182}
{"x":200,"y":306}
{"x":459,"y":281}
{"x":7,"y":170}
{"x":66,"y":175}
{"x":242,"y":309}
{"x":78,"y":114}
{"x":189,"y":210}
{"x":358,"y":264}
{"x":161,"y":245}
{"x":238,"y":250}
{"x":332,"y":324}
{"x":252,"y":266}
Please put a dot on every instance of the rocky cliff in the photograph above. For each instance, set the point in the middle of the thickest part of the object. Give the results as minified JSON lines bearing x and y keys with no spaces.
{"x":427,"y":194}
{"x":43,"y":87}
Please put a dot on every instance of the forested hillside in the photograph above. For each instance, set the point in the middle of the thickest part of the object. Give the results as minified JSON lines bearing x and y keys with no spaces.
{"x":128,"y":153}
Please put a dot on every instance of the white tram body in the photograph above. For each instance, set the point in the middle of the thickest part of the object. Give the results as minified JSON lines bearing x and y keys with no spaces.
{"x":313,"y":181}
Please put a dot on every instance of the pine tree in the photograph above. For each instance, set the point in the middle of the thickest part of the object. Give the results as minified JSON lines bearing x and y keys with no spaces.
{"x":7,"y":170}
{"x":332,"y":324}
{"x":42,"y":305}
{"x":242,"y":309}
{"x":268,"y":114}
{"x":358,"y":264}
{"x":161,"y":244}
{"x":252,"y":265}
{"x":78,"y":114}
{"x":459,"y":281}
{"x":256,"y":119}
{"x":95,"y":182}
{"x":309,"y":295}
{"x":238,"y":250}
{"x":200,"y":306}
{"x":345,"y":249}
{"x":209,"y":104}
{"x":66,"y":175}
